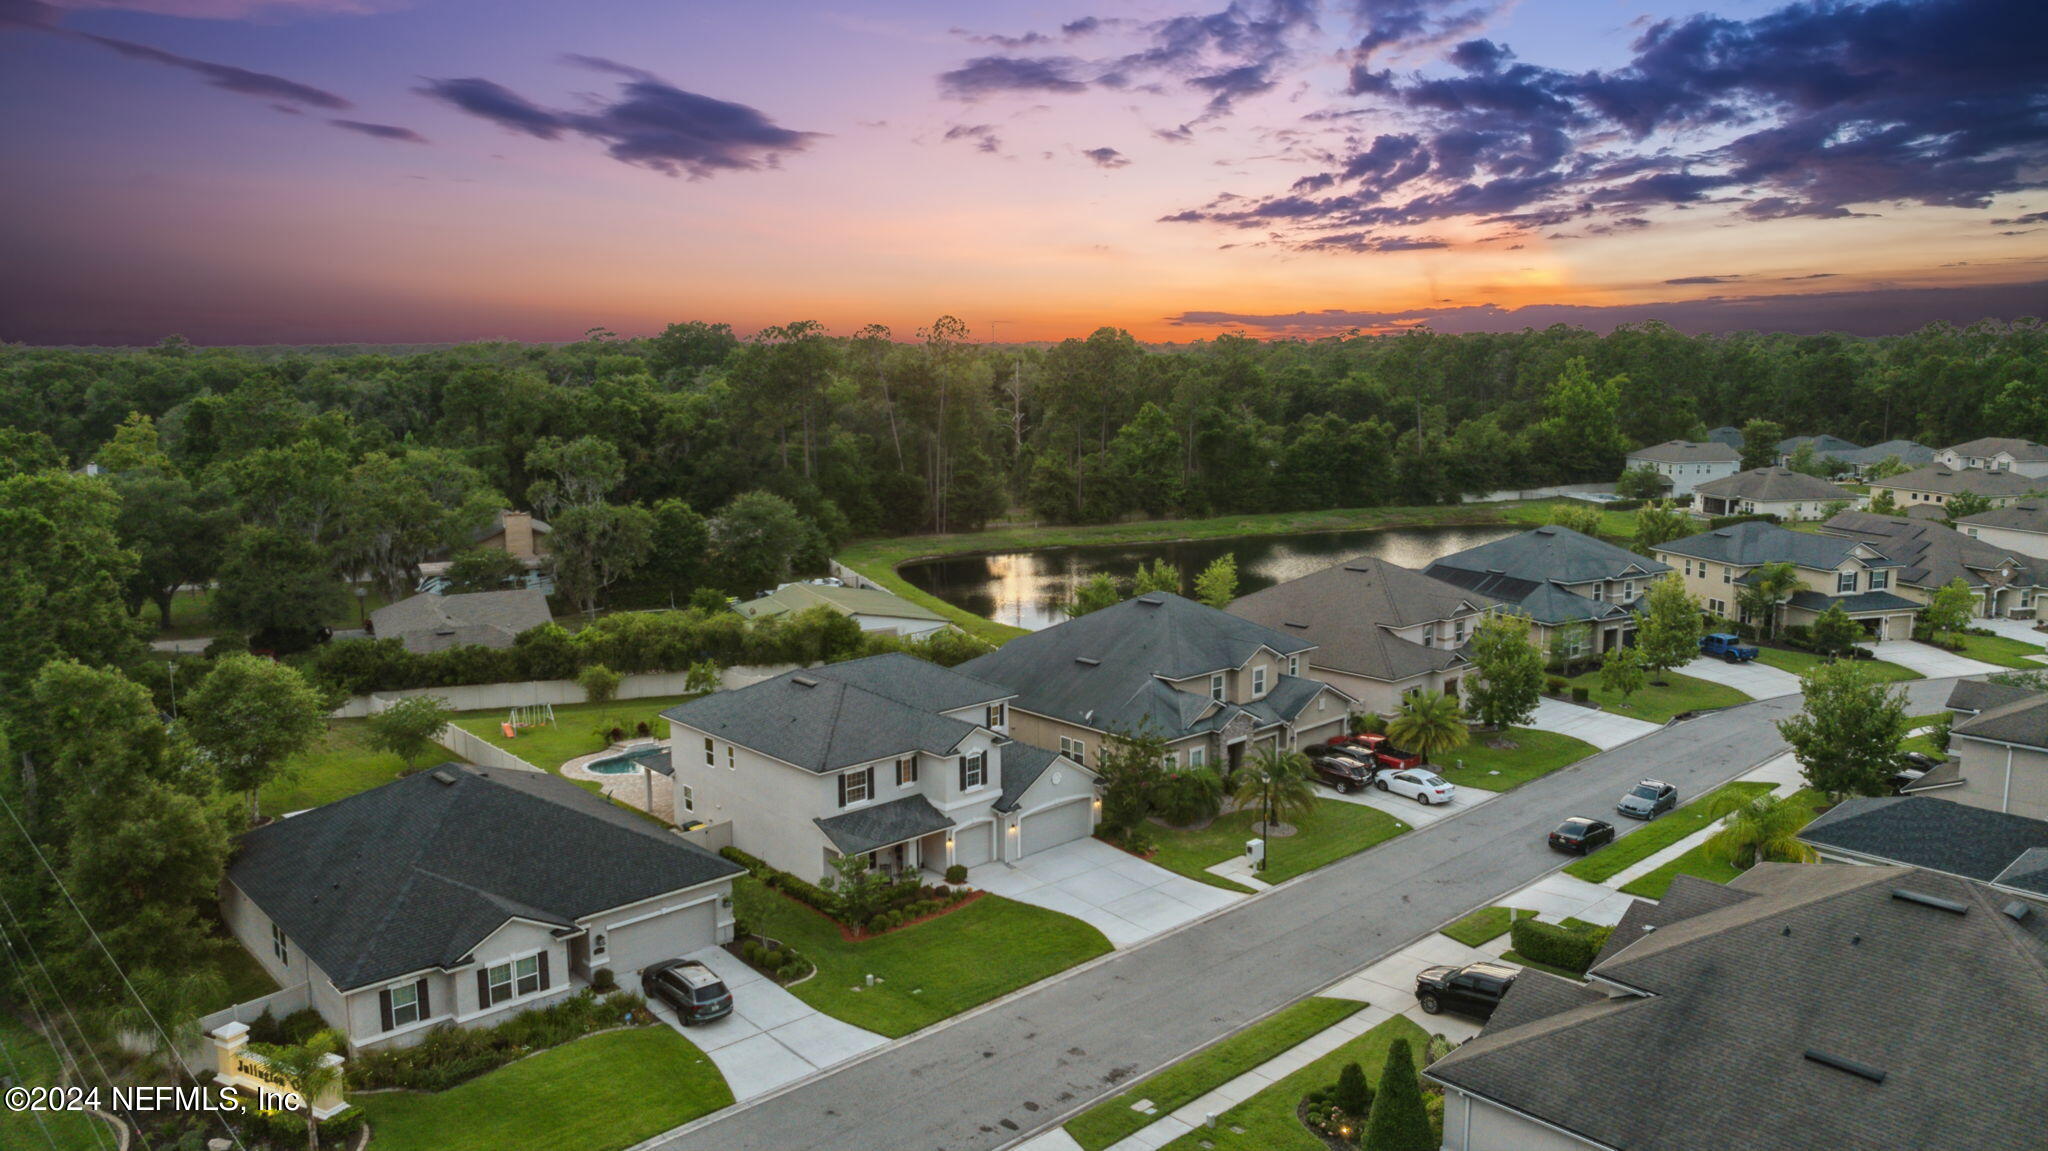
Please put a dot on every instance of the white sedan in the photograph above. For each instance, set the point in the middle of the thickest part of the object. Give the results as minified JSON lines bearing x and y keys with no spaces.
{"x":1417,"y":783}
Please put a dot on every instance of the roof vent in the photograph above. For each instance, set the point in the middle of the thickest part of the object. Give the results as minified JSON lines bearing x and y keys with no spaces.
{"x":1087,"y":661}
{"x":444,"y":777}
{"x":1089,"y":715}
{"x":1152,"y":600}
{"x":1291,"y":623}
{"x":1934,"y":901}
{"x":803,"y":681}
{"x":2016,"y":911}
{"x":1860,"y":1070}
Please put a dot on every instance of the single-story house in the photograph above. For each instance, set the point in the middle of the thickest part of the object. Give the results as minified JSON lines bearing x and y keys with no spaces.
{"x":1799,"y":1006}
{"x":1932,"y":555}
{"x":1216,"y":687}
{"x":2021,"y":526}
{"x":1936,"y":483}
{"x":1579,"y":593}
{"x":1776,"y":491}
{"x":430,"y":623}
{"x":1935,"y":835}
{"x":1833,"y":570}
{"x":902,"y":761}
{"x":1997,"y":454}
{"x":1907,"y":452}
{"x":465,"y":895}
{"x":1381,"y":631}
{"x":1825,"y":447}
{"x":1685,"y":465}
{"x":872,"y":608}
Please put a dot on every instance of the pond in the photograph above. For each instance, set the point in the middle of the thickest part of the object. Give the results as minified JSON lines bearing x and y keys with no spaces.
{"x":1026,"y":588}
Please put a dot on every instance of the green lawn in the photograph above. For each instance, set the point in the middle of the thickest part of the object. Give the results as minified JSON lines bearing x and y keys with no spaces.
{"x":1664,"y":831}
{"x":1680,"y":693}
{"x":1697,"y":862}
{"x":1485,"y":925}
{"x":1267,"y":1121}
{"x":2002,"y":651}
{"x":924,"y":973}
{"x":340,"y":765}
{"x":189,"y":618}
{"x":1537,"y":753}
{"x":1801,"y":662}
{"x":595,"y":1094}
{"x":1333,"y":830}
{"x":245,"y":978}
{"x":30,"y":1060}
{"x":1922,"y":743}
{"x":578,"y":728}
{"x":1190,"y":1079}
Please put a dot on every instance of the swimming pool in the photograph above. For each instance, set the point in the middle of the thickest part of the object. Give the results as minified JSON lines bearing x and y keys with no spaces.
{"x":613,"y":765}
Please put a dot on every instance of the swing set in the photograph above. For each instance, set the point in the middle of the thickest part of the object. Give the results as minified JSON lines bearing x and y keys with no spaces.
{"x":537,"y":715}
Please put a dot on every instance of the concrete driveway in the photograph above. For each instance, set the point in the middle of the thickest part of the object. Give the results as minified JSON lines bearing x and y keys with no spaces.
{"x":1602,"y":729}
{"x":771,"y":1037}
{"x":1120,"y":895}
{"x":1407,"y":810}
{"x":1755,"y":679}
{"x":1931,"y":662}
{"x":2019,"y":629}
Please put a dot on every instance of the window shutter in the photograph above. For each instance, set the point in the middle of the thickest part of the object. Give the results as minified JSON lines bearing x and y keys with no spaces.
{"x":426,"y":1009}
{"x":483,"y":987}
{"x":543,"y":971}
{"x":870,"y":789}
{"x":384,"y":1007}
{"x":963,"y":773}
{"x":842,"y":791}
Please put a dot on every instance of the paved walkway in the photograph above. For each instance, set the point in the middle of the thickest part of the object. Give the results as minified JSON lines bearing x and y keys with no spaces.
{"x":771,"y":1037}
{"x":1755,"y":679}
{"x":1120,"y":895}
{"x":1602,"y":729}
{"x":1929,"y":661}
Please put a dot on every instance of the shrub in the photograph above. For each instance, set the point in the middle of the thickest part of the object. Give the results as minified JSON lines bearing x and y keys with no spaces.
{"x":1571,"y":948}
{"x":1185,"y":797}
{"x":1400,"y":1119}
{"x":772,"y":958}
{"x":956,"y":874}
{"x":1352,"y":1093}
{"x":1581,"y":694}
{"x":1368,"y":723}
{"x":879,"y":923}
{"x":604,"y":979}
{"x":1555,"y":684}
{"x":600,"y":684}
{"x":750,"y":862}
{"x":448,"y":1055}
{"x":751,"y":952}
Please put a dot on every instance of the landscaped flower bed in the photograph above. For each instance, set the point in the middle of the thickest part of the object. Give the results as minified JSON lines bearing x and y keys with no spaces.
{"x":895,"y":904}
{"x":449,"y":1055}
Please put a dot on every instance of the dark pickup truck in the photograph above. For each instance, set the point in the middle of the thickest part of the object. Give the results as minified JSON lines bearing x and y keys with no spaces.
{"x":1728,"y":647}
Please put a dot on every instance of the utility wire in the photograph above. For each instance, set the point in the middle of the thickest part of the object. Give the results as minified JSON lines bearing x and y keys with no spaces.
{"x":50,"y":1026}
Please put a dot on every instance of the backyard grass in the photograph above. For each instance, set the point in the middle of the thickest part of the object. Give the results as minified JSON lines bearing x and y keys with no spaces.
{"x":578,"y":728}
{"x":1658,"y":704}
{"x":1326,"y":834}
{"x":1535,"y":754}
{"x":1485,"y":925}
{"x":1801,"y":662}
{"x":924,"y":973}
{"x":2002,"y":651}
{"x":1267,"y":1121}
{"x":1698,"y":862}
{"x":26,"y":1058}
{"x":245,"y":979}
{"x":1923,"y":743}
{"x":596,"y":1094}
{"x":1661,"y":833}
{"x":340,"y":765}
{"x":1190,"y":1079}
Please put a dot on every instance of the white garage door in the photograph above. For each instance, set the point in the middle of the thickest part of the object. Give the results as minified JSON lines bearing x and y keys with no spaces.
{"x":974,"y":846}
{"x":636,"y":946}
{"x":1054,"y":826}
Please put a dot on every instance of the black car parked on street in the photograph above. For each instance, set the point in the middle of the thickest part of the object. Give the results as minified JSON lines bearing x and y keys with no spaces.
{"x":1581,"y":834}
{"x":1474,"y":989}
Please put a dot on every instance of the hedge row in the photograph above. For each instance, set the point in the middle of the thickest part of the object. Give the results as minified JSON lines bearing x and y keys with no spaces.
{"x":803,"y":891}
{"x":1572,"y":948}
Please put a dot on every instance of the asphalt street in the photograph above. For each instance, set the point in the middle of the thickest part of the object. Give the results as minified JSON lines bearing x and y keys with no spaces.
{"x":993,"y":1077}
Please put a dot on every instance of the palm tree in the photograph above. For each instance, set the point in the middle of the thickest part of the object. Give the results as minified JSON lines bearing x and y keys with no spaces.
{"x":165,"y":1009}
{"x":1429,"y":722}
{"x":1761,"y":830}
{"x":1276,"y":781}
{"x":304,"y":1068}
{"x":1771,"y":585}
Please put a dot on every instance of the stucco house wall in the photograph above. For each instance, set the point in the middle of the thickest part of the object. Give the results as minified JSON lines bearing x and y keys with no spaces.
{"x":2000,"y":777}
{"x":1473,"y":1124}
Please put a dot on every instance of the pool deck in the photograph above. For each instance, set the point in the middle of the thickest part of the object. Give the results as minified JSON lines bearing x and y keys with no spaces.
{"x":628,"y":787}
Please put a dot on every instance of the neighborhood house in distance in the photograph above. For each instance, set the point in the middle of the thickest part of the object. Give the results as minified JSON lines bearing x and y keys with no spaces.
{"x":1579,"y":593}
{"x":1833,"y":571}
{"x":872,"y":608}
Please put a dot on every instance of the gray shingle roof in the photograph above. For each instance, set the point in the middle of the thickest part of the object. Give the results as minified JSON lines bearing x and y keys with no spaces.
{"x":1823,"y":445}
{"x":848,"y":601}
{"x":883,"y":824}
{"x":429,"y":623}
{"x":1818,"y":958}
{"x":1687,"y":452}
{"x":1909,"y":453}
{"x":1755,"y":542}
{"x":1727,"y":434}
{"x":1550,"y":555}
{"x":1774,"y":485}
{"x":2019,"y":516}
{"x":2022,"y":451}
{"x":1103,"y":670}
{"x":1931,"y":554}
{"x":1348,"y":611}
{"x":2023,"y":722}
{"x":1922,"y":831}
{"x":1023,"y":763}
{"x":1948,"y":481}
{"x":844,"y":714}
{"x":1806,"y":599}
{"x":2029,"y":871}
{"x":1975,"y":695}
{"x":415,"y":873}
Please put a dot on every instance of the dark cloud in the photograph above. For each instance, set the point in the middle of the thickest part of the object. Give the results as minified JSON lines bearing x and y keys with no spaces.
{"x":994,"y":75}
{"x":1107,"y":157}
{"x":227,"y":77}
{"x":1398,"y":25}
{"x":650,"y":123}
{"x":27,"y":14}
{"x":983,"y":135}
{"x":2029,"y":218}
{"x":1684,"y":280}
{"x":381,"y":131}
{"x":1183,"y":134}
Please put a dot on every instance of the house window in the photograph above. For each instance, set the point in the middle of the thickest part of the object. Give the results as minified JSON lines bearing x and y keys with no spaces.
{"x":710,"y":753}
{"x":1258,"y":682}
{"x":1880,"y":580}
{"x":1293,"y":665}
{"x":1600,"y":592}
{"x":1458,"y":631}
{"x":1429,"y":638}
{"x":973,"y":770}
{"x":731,"y":763}
{"x":497,"y":984}
{"x":1197,"y":756}
{"x":280,"y":946}
{"x":1074,"y":749}
{"x":856,"y":786}
{"x":527,"y":973}
{"x":405,"y":1005}
{"x":996,"y":717}
{"x":1718,"y":607}
{"x":1216,"y":687}
{"x":689,"y":798}
{"x":1628,"y":591}
{"x":1845,"y":582}
{"x":906,"y":771}
{"x":1170,"y":761}
{"x":1727,"y":573}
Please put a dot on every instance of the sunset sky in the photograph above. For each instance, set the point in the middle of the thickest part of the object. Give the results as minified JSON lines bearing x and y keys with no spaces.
{"x":434,"y":170}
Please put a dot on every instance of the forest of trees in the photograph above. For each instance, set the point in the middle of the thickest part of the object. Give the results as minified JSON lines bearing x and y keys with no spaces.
{"x":696,"y":458}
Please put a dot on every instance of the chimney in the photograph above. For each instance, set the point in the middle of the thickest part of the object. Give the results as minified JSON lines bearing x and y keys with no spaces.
{"x":519,"y":534}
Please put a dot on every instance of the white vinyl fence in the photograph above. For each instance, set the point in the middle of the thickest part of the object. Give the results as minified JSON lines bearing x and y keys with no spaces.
{"x":533,"y":692}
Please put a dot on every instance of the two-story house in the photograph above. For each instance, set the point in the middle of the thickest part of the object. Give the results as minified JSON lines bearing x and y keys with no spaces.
{"x":1381,"y":631}
{"x":1997,"y":454}
{"x":2020,"y":526}
{"x":1935,"y":484}
{"x":1931,"y":556}
{"x":1214,"y":686}
{"x":1832,"y":571}
{"x":1778,"y":491}
{"x":1685,"y":465}
{"x":464,"y":895}
{"x":1578,"y":593}
{"x":1999,"y":746}
{"x":905,"y":762}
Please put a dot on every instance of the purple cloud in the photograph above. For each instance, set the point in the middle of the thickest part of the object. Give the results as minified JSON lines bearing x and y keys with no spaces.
{"x":381,"y":131}
{"x":994,"y":75}
{"x":1107,"y":157}
{"x":227,"y":77}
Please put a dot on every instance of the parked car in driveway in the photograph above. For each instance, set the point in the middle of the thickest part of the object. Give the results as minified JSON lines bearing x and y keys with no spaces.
{"x":1581,"y":834}
{"x":1419,"y":784}
{"x":1474,"y":989}
{"x":1727,"y":646}
{"x":694,"y":990}
{"x":1911,"y":766}
{"x":1347,"y":769}
{"x":1648,"y":800}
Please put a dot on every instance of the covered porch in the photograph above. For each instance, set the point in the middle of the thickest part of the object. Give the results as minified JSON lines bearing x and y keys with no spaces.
{"x":899,"y":837}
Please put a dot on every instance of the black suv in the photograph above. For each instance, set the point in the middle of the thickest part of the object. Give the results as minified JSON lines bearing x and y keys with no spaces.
{"x":1474,"y":989}
{"x":1582,"y":834}
{"x":694,"y":990}
{"x":1344,"y":768}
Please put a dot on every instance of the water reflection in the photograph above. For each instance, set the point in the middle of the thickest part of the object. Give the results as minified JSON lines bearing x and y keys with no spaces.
{"x":1026,"y":588}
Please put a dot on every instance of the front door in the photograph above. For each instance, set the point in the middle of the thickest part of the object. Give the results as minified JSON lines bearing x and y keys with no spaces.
{"x":1234,"y":756}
